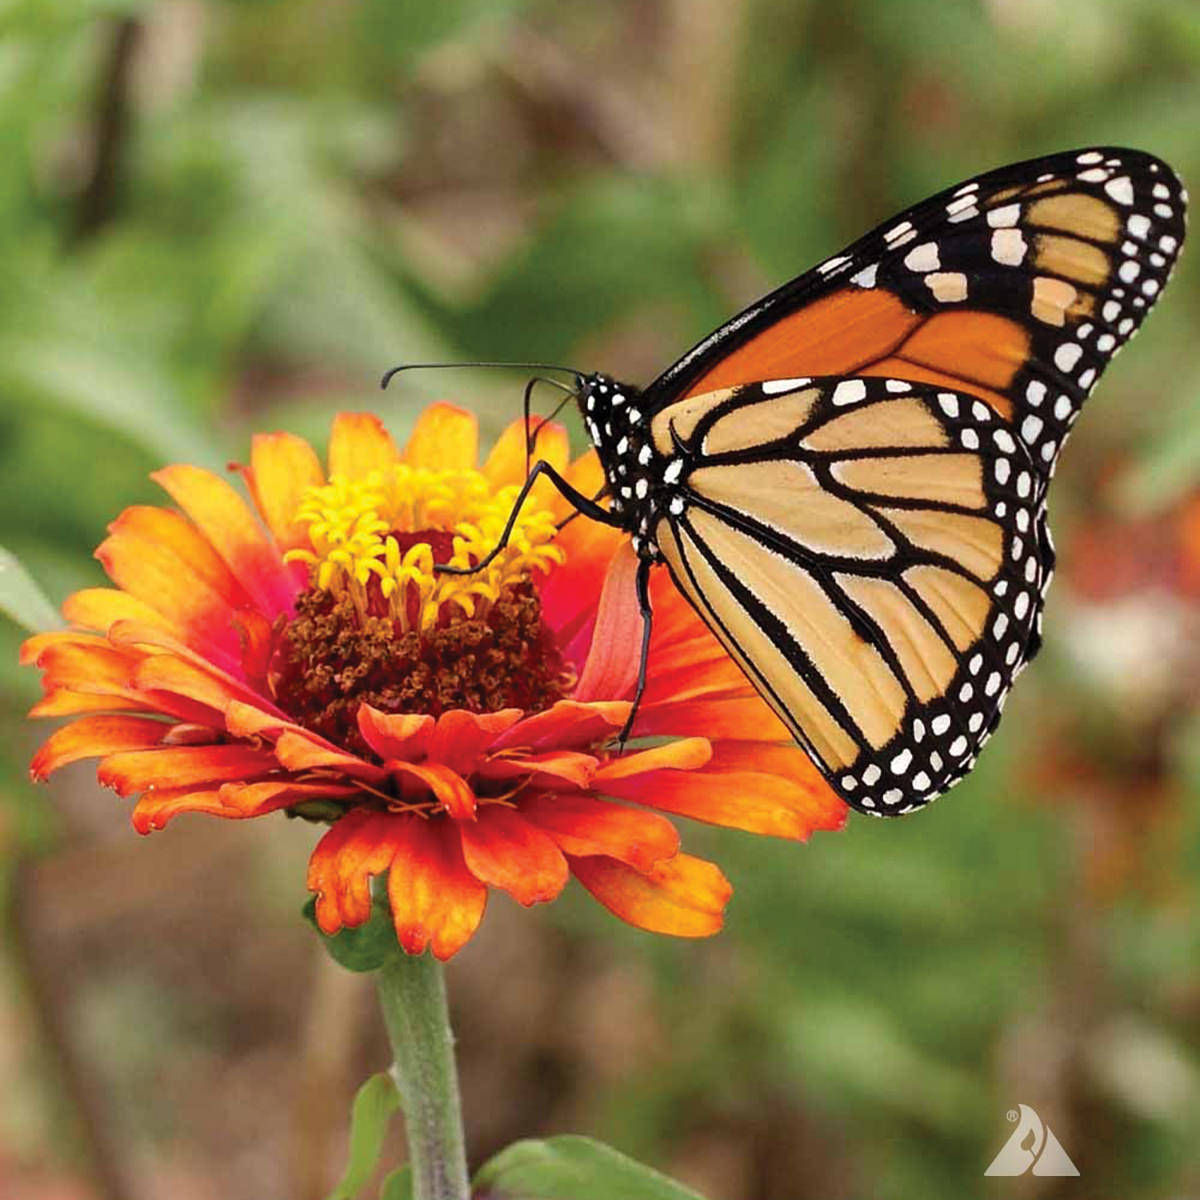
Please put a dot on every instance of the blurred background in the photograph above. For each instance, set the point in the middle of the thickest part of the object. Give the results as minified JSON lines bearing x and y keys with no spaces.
{"x":224,"y":217}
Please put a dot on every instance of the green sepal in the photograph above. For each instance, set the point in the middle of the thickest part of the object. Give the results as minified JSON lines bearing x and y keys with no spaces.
{"x":374,"y":1106}
{"x":398,"y":1185}
{"x":572,"y":1168}
{"x":365,"y":948}
{"x":317,"y":810}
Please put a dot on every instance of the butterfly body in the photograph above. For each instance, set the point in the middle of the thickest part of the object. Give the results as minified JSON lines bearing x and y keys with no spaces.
{"x":636,"y":474}
{"x":848,"y":480}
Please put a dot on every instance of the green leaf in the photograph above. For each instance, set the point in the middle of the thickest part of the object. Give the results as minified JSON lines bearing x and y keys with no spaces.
{"x":374,"y":1106}
{"x":22,"y":599}
{"x":398,"y":1185}
{"x":366,"y":948}
{"x":572,"y":1168}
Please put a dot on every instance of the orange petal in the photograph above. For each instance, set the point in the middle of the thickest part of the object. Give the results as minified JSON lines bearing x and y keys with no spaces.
{"x":357,"y":846}
{"x":693,"y":669}
{"x":453,"y":792}
{"x":160,"y":558}
{"x":33,"y":649}
{"x":566,"y":725}
{"x":183,"y":766}
{"x":818,"y":805}
{"x":675,"y":620}
{"x":207,"y":678}
{"x":685,"y":755}
{"x":250,"y":721}
{"x":744,"y":719}
{"x":67,"y":659}
{"x":358,"y":445}
{"x":445,"y":438}
{"x":569,"y":594}
{"x":583,"y":825}
{"x":682,"y":896}
{"x":304,"y":751}
{"x":611,"y":669}
{"x":104,"y":670}
{"x":506,"y":463}
{"x":59,"y":702}
{"x":549,"y":770}
{"x":256,"y":799}
{"x":98,"y":608}
{"x":460,"y":737}
{"x":233,"y":801}
{"x":91,"y":737}
{"x":395,"y":735}
{"x":225,"y":519}
{"x":506,"y":851}
{"x":154,"y":809}
{"x":366,"y":851}
{"x":749,"y":800}
{"x":165,"y":673}
{"x":256,"y":635}
{"x":282,"y":467}
{"x":435,"y":900}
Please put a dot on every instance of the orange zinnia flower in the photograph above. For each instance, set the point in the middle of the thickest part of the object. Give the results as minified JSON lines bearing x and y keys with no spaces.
{"x":456,"y":731}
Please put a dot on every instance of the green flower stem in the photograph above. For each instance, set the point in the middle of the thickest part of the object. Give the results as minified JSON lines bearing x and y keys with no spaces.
{"x":412,"y":993}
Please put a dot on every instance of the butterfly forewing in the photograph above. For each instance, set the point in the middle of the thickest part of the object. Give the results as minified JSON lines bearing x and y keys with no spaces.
{"x":1017,"y":287}
{"x":872,"y":564}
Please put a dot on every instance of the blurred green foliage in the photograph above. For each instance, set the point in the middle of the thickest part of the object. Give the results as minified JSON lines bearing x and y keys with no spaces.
{"x":223,"y":217}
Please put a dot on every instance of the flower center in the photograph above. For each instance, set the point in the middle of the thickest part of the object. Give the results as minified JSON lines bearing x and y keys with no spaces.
{"x":378,"y":624}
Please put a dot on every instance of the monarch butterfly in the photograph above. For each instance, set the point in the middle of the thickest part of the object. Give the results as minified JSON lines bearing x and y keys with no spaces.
{"x":848,"y":479}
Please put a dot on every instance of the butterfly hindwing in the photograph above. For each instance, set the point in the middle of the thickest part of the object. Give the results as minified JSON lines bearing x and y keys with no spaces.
{"x":868,"y":550}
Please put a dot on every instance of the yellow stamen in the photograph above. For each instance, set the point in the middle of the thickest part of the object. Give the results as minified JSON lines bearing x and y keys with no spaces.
{"x":352,"y":526}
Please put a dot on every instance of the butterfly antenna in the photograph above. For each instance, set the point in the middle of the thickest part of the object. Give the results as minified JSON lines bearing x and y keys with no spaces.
{"x":438,"y":366}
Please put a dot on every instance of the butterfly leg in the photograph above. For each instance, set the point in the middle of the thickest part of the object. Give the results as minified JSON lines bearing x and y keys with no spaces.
{"x":531,"y":435}
{"x":644,"y":607}
{"x":541,"y":468}
{"x":596,"y":498}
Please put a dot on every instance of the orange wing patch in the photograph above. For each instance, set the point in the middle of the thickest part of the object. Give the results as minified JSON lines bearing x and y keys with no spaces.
{"x":872,"y":332}
{"x":838,"y":335}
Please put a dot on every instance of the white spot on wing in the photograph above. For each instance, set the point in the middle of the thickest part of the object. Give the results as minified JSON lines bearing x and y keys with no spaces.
{"x":866,"y":277}
{"x":1008,"y":247}
{"x":1067,"y":355}
{"x":849,"y":391}
{"x":1121,"y":189}
{"x":923,"y":258}
{"x":1138,"y":224}
{"x":947,"y":286}
{"x":773,"y":387}
{"x":832,"y":264}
